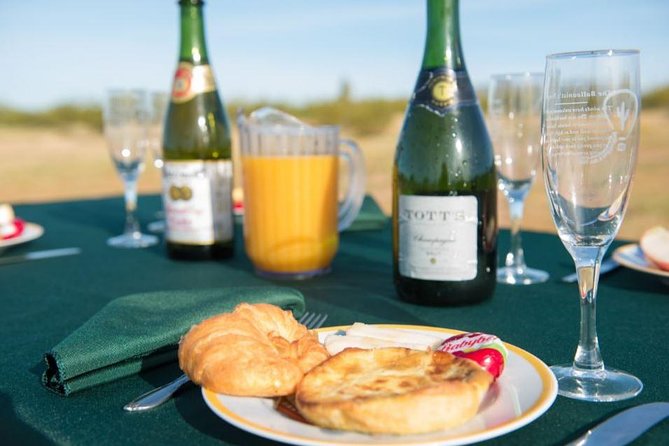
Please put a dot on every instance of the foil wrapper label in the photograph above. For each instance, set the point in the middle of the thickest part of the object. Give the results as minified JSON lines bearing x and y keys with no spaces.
{"x":191,"y":80}
{"x":486,"y":350}
{"x":470,"y":342}
{"x":440,"y":90}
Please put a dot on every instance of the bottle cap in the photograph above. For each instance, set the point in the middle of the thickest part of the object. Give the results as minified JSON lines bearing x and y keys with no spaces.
{"x":191,"y":2}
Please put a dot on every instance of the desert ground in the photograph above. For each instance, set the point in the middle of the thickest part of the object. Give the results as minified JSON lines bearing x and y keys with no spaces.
{"x":54,"y":164}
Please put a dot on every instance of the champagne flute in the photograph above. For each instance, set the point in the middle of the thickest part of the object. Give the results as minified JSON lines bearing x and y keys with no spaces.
{"x":514,"y":111}
{"x":590,"y":134}
{"x":124,"y":119}
{"x":156,"y":123}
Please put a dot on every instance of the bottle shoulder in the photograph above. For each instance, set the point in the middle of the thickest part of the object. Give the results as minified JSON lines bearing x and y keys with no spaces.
{"x":197,"y":129}
{"x":438,"y":154}
{"x":461,"y":129}
{"x":199,"y":105}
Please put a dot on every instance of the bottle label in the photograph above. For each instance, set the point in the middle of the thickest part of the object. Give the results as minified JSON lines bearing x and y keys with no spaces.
{"x":191,"y":80}
{"x":198,"y":201}
{"x":437,"y":237}
{"x":440,"y":90}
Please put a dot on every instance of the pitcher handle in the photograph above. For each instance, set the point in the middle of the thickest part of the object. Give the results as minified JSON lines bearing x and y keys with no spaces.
{"x":349,"y":208}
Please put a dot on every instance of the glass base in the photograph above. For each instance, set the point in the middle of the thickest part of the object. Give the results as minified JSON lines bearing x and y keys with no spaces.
{"x":596,"y":385}
{"x":293,"y":276}
{"x":132,"y":240}
{"x":518,"y":276}
{"x":157,"y":227}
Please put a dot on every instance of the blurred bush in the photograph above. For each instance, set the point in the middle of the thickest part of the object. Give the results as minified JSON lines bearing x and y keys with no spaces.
{"x":357,"y":117}
{"x":361,"y":117}
{"x":656,"y":98}
{"x":62,"y":115}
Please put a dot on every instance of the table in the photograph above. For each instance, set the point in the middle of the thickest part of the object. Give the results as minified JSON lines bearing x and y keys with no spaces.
{"x":44,"y":301}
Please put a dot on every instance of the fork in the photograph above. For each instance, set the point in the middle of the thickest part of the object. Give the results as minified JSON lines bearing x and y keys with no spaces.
{"x":156,"y":397}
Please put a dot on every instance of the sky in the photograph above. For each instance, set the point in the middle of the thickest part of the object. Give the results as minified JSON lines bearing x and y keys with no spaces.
{"x":56,"y":52}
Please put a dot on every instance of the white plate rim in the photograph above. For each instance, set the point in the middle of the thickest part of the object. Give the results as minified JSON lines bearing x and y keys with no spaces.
{"x":626,"y":254}
{"x":541,"y":405}
{"x":31,"y":231}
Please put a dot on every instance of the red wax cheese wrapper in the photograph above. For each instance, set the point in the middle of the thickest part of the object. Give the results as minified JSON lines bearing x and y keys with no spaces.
{"x":486,"y":350}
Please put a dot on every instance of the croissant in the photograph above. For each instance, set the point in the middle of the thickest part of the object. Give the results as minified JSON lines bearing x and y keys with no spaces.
{"x":257,"y":350}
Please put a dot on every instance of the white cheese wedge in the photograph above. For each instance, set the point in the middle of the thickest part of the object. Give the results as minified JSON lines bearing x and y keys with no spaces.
{"x":6,"y":214}
{"x":6,"y":220}
{"x":364,"y":336}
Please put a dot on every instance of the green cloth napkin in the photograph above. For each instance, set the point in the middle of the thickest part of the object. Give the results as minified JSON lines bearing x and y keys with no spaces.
{"x":139,"y":331}
{"x":370,"y":217}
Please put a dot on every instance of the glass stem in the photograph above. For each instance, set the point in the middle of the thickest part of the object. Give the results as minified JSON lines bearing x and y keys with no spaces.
{"x":588,"y":356}
{"x":516,"y":257}
{"x":130,"y":194}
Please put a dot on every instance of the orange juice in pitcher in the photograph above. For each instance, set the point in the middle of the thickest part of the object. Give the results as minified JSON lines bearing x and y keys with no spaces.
{"x":290,"y":176}
{"x":290,"y":222}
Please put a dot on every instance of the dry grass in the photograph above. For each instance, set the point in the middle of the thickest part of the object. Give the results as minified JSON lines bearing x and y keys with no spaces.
{"x":46,"y":164}
{"x":41,"y":165}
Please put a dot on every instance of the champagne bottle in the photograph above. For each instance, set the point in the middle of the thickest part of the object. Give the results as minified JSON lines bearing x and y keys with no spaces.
{"x":444,"y":180}
{"x":197,"y":171}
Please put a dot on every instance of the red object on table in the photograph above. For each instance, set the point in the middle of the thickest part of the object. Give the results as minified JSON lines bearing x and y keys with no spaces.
{"x":19,"y":226}
{"x":238,"y":207}
{"x":486,"y":350}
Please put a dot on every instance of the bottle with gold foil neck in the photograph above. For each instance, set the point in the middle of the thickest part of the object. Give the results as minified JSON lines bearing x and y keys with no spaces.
{"x":197,"y":171}
{"x":444,"y":180}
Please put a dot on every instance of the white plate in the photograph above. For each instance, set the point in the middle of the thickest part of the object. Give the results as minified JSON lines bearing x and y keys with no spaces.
{"x":632,"y":257}
{"x":526,"y":389}
{"x":31,"y":231}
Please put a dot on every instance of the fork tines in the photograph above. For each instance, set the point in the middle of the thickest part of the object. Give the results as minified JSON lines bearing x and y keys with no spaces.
{"x":313,"y":320}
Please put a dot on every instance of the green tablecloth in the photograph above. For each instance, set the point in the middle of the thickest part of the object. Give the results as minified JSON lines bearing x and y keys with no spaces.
{"x":44,"y":301}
